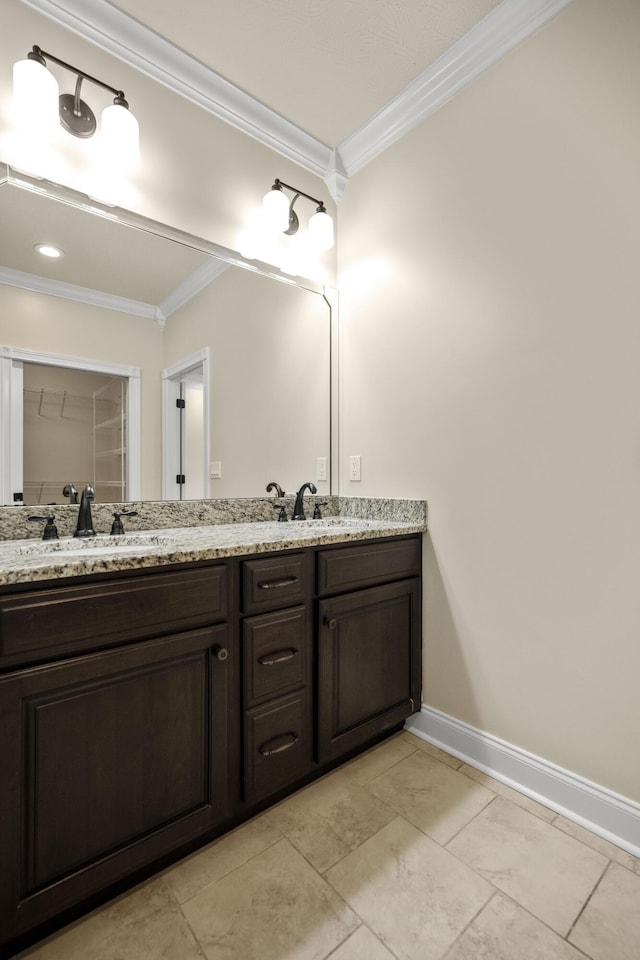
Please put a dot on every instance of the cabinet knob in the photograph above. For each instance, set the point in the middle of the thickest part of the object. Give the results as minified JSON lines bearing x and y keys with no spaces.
{"x":332,"y":623}
{"x":221,"y":653}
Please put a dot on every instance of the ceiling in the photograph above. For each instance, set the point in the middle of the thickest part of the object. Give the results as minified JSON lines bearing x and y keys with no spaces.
{"x":326,"y":65}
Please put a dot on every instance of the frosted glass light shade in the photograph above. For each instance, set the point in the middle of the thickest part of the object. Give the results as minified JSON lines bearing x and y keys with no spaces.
{"x":275,"y":207}
{"x":321,"y":231}
{"x":120,"y":135}
{"x":35,"y":97}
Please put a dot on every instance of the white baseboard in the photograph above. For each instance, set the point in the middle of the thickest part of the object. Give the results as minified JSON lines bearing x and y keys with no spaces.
{"x":602,"y":811}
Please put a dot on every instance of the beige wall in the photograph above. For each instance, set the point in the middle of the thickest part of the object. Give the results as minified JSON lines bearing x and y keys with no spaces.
{"x":491,"y":360}
{"x":35,"y":321}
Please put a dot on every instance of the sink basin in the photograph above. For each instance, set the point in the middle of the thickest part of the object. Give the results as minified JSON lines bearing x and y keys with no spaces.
{"x":327,"y":522}
{"x":129,"y":543}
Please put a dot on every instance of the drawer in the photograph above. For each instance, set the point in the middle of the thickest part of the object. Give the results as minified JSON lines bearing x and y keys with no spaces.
{"x":365,"y":565}
{"x":276,"y":653}
{"x":274,"y":582}
{"x":277,"y":745}
{"x":72,"y":619}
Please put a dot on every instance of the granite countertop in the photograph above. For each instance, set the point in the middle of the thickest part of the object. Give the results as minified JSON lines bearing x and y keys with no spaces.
{"x":24,"y":561}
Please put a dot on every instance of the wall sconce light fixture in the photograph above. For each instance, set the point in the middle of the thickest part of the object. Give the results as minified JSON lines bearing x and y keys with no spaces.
{"x":281,"y":217}
{"x":39,"y":106}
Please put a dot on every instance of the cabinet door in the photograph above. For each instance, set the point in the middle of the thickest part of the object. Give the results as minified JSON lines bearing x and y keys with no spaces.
{"x":368,"y":665}
{"x":109,"y":761}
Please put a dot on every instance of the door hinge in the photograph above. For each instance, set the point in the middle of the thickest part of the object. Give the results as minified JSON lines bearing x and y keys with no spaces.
{"x":180,"y":403}
{"x":180,"y":478}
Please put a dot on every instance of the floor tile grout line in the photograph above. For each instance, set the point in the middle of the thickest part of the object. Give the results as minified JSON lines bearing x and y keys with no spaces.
{"x":484,"y":906}
{"x":223,"y":876}
{"x":477,"y":814}
{"x":631,"y":869}
{"x":588,"y":900}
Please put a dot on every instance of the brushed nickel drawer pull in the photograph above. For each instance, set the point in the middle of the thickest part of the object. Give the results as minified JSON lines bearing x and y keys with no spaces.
{"x":278,"y":744}
{"x":276,"y":584}
{"x":278,"y":656}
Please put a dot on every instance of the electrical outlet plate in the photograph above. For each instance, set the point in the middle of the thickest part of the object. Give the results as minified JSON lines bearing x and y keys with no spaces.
{"x":354,"y":467}
{"x":215,"y":470}
{"x":321,"y":469}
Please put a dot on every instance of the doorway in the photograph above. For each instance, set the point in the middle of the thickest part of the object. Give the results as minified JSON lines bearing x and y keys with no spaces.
{"x":125,"y":381}
{"x":185,"y":428}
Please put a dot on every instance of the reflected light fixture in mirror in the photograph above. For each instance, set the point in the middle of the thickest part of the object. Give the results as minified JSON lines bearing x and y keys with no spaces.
{"x":38,"y":107}
{"x":281,"y":217}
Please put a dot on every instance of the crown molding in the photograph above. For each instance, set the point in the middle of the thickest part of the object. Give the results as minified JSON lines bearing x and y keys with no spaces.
{"x":114,"y":31}
{"x":499,"y":32}
{"x":130,"y":41}
{"x":201,"y":277}
{"x":71,"y":291}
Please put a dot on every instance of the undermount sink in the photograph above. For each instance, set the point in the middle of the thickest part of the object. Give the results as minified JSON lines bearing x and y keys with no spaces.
{"x":87,"y":546}
{"x":327,"y":522}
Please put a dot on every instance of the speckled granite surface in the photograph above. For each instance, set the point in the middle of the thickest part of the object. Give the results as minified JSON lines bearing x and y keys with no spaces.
{"x":27,"y":559}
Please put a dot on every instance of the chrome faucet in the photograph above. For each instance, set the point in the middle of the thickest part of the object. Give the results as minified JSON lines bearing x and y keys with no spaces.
{"x":298,"y":510}
{"x":85,"y":522}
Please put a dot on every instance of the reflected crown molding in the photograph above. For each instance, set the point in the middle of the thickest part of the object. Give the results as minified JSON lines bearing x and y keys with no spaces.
{"x":199,"y":279}
{"x":72,"y":291}
{"x":114,"y":31}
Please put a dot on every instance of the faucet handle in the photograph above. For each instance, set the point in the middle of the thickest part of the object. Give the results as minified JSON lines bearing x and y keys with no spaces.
{"x":117,"y":528}
{"x":317,"y":514}
{"x":282,"y":516}
{"x":50,"y":531}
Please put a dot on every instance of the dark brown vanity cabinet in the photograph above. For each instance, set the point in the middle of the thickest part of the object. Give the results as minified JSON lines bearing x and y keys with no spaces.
{"x":369,"y":657}
{"x":142,"y":713}
{"x":277,"y":660}
{"x":112,"y":758}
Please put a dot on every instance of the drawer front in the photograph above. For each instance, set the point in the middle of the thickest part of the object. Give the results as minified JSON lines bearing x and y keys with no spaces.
{"x":274,"y":583}
{"x":71,"y":619}
{"x":276,"y":653}
{"x":365,"y":565}
{"x":277,"y":745}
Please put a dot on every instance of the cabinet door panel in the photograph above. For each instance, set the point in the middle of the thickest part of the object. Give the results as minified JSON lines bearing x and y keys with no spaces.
{"x":120,"y":757}
{"x":369,"y":661}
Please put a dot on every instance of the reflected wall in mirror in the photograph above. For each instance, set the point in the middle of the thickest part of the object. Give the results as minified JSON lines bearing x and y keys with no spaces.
{"x":127,"y":292}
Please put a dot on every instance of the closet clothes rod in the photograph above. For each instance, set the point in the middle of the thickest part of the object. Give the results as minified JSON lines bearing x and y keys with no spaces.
{"x":43,"y":394}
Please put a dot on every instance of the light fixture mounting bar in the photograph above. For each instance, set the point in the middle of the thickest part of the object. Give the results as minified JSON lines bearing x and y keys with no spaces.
{"x":37,"y":53}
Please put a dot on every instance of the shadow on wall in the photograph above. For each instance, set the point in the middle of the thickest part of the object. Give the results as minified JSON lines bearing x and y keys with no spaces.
{"x":446,"y":682}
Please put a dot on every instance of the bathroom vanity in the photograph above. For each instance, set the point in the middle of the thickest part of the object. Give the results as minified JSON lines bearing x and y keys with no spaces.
{"x":152,"y":698}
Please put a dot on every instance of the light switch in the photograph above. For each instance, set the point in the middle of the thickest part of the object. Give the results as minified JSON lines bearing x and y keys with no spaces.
{"x":215,"y":470}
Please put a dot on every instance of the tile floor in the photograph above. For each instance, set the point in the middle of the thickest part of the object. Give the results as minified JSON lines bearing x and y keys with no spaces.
{"x":402,"y":853}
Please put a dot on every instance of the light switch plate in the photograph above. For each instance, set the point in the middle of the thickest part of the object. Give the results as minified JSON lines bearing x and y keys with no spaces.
{"x":215,"y":470}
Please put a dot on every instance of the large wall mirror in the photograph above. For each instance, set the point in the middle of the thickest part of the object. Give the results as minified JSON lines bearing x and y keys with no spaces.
{"x":144,"y":313}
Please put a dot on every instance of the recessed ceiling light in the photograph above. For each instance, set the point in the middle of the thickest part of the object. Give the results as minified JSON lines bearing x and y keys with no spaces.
{"x":48,"y":250}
